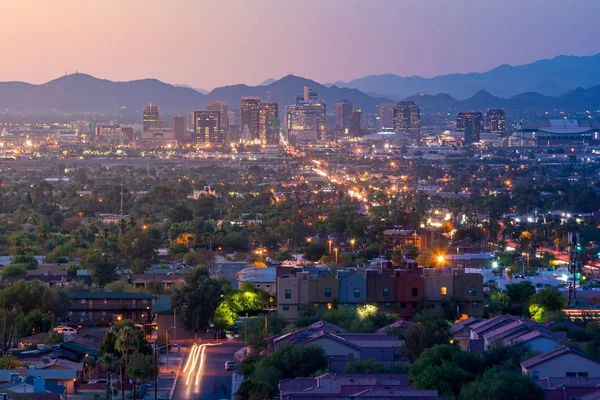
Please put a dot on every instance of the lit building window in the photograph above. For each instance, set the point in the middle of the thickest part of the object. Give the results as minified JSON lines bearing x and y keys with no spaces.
{"x":443,"y":290}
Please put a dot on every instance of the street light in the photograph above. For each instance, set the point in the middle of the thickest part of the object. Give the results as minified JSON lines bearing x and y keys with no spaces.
{"x":175,"y":320}
{"x":336,"y":255}
{"x":352,"y":243}
{"x":441,"y":260}
{"x":330,"y":243}
{"x":167,"y":345}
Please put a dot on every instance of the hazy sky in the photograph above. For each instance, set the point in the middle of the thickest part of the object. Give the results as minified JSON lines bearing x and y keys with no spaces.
{"x":220,"y":42}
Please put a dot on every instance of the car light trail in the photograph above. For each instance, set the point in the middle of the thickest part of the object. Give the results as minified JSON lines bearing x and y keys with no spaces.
{"x":195,"y":362}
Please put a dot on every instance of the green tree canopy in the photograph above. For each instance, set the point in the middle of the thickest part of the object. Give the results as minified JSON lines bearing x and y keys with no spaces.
{"x":445,"y":368}
{"x":198,"y":299}
{"x":501,"y":383}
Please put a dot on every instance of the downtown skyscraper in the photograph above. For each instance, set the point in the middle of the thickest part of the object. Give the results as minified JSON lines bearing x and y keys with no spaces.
{"x":151,"y":118}
{"x":268,"y":128}
{"x":207,"y":127}
{"x":250,"y":121}
{"x":306,"y":121}
{"x":220,"y":107}
{"x":495,"y":121}
{"x":343,"y":110}
{"x":471,"y":123}
{"x":407,"y":119}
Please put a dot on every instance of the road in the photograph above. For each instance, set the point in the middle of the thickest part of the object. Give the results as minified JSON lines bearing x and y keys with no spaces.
{"x":205,"y":368}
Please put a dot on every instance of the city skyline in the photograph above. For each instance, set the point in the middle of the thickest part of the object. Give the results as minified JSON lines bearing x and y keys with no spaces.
{"x":86,"y":45}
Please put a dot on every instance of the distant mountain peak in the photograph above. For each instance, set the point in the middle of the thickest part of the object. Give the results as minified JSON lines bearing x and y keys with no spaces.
{"x":267,"y":82}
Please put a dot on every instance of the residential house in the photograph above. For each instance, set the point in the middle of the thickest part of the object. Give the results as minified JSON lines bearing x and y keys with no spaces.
{"x":510,"y":330}
{"x":164,"y":282}
{"x":261,"y":278}
{"x":410,"y":293}
{"x":352,"y":288}
{"x":399,"y":237}
{"x":341,"y":347}
{"x":306,"y":288}
{"x":33,"y":385}
{"x":562,"y":362}
{"x":454,"y":286}
{"x":461,"y":332}
{"x":108,"y":307}
{"x":52,"y":372}
{"x":570,"y":388}
{"x":77,"y":349}
{"x":164,"y":316}
{"x":352,"y":386}
{"x":397,"y":328}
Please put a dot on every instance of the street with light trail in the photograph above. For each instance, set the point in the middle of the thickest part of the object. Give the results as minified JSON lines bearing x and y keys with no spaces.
{"x":203,"y":369}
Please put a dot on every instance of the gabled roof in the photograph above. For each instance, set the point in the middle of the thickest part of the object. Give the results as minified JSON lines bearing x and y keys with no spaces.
{"x":552,"y":354}
{"x":465,"y":323}
{"x":396,"y":325}
{"x":491,"y":324}
{"x":319,"y":326}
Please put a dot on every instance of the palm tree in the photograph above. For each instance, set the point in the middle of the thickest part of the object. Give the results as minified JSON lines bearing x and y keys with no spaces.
{"x":109,"y":362}
{"x":127,"y":341}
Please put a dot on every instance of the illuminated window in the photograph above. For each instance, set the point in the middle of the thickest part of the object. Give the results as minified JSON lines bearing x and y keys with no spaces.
{"x":316,"y":306}
{"x":443,"y":290}
{"x":329,"y":306}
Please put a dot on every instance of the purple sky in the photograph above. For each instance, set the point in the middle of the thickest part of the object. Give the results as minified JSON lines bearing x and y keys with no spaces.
{"x":221,"y":42}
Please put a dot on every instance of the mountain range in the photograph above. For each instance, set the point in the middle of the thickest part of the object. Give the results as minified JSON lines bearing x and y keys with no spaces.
{"x":551,"y":77}
{"x":81,"y":93}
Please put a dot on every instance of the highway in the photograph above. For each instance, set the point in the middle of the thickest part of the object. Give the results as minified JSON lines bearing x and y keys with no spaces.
{"x":202,"y":369}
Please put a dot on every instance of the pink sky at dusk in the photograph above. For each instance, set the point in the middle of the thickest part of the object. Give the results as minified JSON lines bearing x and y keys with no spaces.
{"x":221,"y":42}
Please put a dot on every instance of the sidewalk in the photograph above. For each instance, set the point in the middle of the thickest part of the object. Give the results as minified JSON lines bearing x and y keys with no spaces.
{"x":236,"y":381}
{"x":168,"y":367}
{"x":236,"y":378}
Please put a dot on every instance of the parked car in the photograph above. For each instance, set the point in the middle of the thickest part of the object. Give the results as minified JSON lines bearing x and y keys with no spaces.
{"x":230,"y":365}
{"x":104,"y":381}
{"x":65,"y":330}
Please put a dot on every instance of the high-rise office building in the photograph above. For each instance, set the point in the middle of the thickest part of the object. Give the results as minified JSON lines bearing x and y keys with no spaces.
{"x":221,"y":108}
{"x":343,"y":110}
{"x":180,"y":128}
{"x":267,"y":112}
{"x":151,"y":117}
{"x":407,"y":119}
{"x":250,"y":120}
{"x":207,"y":127}
{"x":386,"y":115}
{"x":495,"y":121}
{"x":472,"y":124}
{"x":306,"y":121}
{"x":235,"y":118}
{"x":355,"y":127}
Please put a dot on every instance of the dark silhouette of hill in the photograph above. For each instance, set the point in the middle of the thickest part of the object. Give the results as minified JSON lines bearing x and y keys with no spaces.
{"x":548,"y":77}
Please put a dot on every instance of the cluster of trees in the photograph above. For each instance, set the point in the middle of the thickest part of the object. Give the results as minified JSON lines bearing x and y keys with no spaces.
{"x":125,"y":351}
{"x":495,"y":376}
{"x":523,"y":299}
{"x":287,"y":362}
{"x":203,"y":301}
{"x":27,"y":308}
